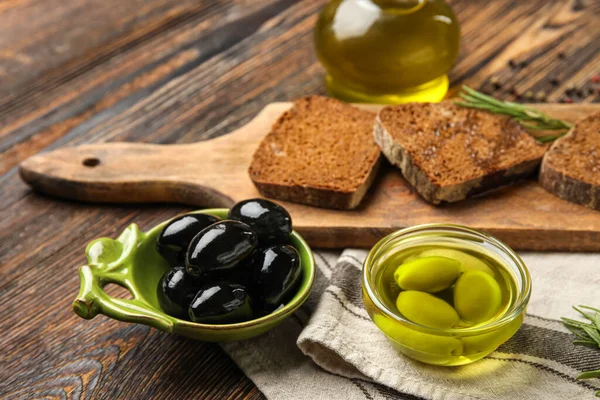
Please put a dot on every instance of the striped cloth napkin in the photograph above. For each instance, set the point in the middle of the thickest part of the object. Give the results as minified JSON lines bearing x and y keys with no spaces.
{"x":330,"y":349}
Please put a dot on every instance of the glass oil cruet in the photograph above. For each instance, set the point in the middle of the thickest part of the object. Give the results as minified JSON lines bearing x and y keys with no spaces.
{"x":387,"y":51}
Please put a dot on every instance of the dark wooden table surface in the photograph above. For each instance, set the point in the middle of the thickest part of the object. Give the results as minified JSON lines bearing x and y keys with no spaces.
{"x":169,"y":71}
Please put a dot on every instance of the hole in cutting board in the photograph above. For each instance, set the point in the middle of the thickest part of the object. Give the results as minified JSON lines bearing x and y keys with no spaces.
{"x":91,"y":162}
{"x":117,"y":291}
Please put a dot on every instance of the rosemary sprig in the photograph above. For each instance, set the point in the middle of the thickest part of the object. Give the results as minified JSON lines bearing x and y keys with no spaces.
{"x":528,"y":117}
{"x":588,"y":334}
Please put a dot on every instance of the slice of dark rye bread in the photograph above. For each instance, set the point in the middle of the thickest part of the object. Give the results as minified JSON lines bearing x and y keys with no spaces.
{"x":571,"y":168}
{"x":320,"y":152}
{"x":448,"y":152}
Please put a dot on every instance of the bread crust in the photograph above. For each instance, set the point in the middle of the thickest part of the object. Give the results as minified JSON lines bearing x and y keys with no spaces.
{"x":318,"y":197}
{"x":559,"y":180}
{"x":567,"y":188}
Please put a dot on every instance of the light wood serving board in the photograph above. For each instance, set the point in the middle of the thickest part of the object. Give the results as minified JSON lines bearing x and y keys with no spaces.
{"x":214,"y":173}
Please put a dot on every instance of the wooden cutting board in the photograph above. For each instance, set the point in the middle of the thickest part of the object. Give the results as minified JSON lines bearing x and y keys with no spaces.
{"x":213,"y":173}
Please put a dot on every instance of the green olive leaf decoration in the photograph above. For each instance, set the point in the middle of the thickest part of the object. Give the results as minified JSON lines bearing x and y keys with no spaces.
{"x":108,"y":254}
{"x":109,"y":261}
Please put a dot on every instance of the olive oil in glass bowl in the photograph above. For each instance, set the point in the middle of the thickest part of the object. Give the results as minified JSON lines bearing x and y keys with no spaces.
{"x":387,"y":51}
{"x":464,"y":292}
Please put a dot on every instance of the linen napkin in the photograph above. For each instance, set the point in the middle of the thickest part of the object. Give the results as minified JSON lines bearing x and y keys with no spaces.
{"x":330,"y":349}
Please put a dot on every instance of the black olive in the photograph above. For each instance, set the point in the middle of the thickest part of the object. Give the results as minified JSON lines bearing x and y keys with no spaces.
{"x":241,"y":273}
{"x":271,"y":222}
{"x":220,"y":246}
{"x":176,"y":290}
{"x":173,"y":241}
{"x":277,"y":272}
{"x":221,"y":303}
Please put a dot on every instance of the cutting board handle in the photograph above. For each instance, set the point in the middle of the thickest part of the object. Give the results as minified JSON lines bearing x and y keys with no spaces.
{"x":125,"y":173}
{"x":211,"y":173}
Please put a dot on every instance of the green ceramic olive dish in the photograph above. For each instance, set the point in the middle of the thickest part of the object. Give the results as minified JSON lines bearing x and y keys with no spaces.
{"x":132,"y":261}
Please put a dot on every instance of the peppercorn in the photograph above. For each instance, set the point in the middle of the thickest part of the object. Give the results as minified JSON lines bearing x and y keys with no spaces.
{"x":540,"y":96}
{"x":495,"y":81}
{"x":554,"y":81}
{"x":512,"y":64}
{"x":570,"y":89}
{"x":562,"y":55}
{"x":523,"y":63}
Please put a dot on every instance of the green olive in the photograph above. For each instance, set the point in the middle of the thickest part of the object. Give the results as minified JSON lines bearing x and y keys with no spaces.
{"x":488,"y":342}
{"x":426,"y":309}
{"x":422,"y":342}
{"x":477,"y":296}
{"x":468,"y":262}
{"x":428,"y":274}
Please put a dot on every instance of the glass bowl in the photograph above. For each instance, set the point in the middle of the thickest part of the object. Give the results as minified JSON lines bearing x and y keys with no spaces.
{"x":454,"y":346}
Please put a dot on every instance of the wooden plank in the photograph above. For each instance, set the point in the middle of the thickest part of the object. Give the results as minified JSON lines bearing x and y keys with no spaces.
{"x":79,"y":96}
{"x":36,"y":37}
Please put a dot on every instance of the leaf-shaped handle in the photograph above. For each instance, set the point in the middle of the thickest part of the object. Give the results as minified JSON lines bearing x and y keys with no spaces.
{"x":109,"y":262}
{"x":110,"y":255}
{"x":93,"y":300}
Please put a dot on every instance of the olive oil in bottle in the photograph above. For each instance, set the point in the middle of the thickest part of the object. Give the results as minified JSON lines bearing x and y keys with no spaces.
{"x":387,"y":51}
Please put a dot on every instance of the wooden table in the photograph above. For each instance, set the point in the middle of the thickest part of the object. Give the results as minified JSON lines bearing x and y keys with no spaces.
{"x":169,"y":71}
